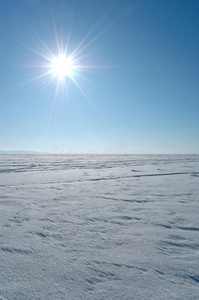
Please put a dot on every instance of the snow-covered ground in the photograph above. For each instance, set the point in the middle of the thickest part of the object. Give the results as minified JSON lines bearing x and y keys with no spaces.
{"x":99,"y":227}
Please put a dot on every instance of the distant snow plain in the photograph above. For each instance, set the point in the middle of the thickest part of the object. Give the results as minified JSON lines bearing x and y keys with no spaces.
{"x":99,"y":227}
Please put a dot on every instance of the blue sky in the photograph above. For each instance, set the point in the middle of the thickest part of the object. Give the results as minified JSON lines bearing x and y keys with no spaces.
{"x":139,"y":90}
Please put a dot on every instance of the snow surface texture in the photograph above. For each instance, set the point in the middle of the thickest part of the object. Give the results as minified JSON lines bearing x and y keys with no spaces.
{"x":99,"y":227}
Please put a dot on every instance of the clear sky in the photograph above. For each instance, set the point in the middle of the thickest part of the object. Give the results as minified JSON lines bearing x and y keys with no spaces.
{"x":133,"y":85}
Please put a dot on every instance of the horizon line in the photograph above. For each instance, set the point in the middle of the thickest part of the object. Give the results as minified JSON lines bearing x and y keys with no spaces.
{"x":21,"y":152}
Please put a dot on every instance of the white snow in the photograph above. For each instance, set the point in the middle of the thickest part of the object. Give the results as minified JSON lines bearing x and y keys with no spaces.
{"x":99,"y":227}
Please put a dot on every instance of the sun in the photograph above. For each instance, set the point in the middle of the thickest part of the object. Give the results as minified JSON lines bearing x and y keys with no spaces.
{"x":65,"y":65}
{"x":62,"y":66}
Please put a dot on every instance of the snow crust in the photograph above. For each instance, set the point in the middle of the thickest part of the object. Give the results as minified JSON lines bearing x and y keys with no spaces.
{"x":99,"y":227}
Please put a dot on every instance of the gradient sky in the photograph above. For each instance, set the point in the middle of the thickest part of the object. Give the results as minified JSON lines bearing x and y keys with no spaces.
{"x":139,"y":90}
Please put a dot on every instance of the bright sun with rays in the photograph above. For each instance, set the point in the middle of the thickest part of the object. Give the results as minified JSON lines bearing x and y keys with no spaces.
{"x":66,"y":65}
{"x":62,"y":66}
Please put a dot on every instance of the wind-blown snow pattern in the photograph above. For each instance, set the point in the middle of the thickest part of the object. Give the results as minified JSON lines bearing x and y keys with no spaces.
{"x":99,"y":227}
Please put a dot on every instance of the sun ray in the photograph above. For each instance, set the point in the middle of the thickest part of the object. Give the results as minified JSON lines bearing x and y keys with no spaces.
{"x":67,"y":42}
{"x":35,"y":78}
{"x":27,"y":47}
{"x":85,"y":78}
{"x":54,"y":99}
{"x":83,"y":93}
{"x":74,"y":54}
{"x":44,"y":44}
{"x":106,"y":13}
{"x":55,"y":32}
{"x":46,"y":82}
